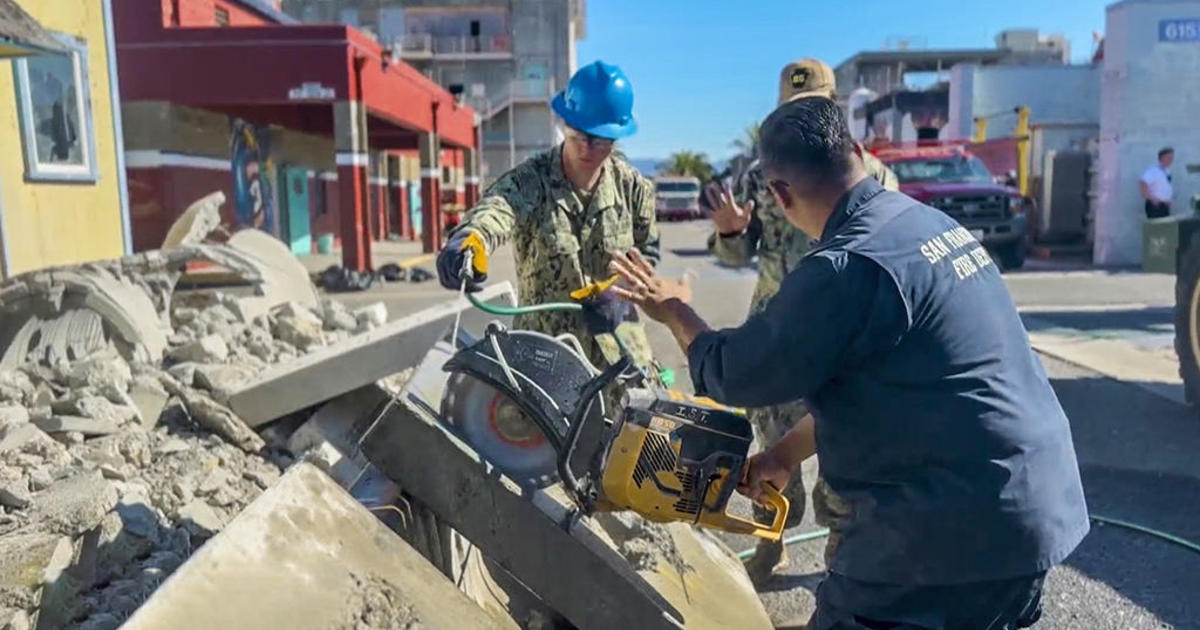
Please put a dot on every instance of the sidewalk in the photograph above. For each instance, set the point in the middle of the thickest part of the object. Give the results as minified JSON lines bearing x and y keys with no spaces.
{"x":382,"y":253}
{"x":1144,"y":358}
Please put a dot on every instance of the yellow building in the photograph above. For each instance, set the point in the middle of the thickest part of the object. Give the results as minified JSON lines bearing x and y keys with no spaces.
{"x":62,"y":182}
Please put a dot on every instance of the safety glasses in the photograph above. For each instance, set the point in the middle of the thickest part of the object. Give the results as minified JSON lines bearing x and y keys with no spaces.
{"x":592,"y":142}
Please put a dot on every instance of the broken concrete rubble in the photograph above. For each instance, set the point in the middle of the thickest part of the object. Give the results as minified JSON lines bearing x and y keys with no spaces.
{"x":221,"y":379}
{"x":355,"y":362}
{"x":150,"y":398}
{"x":60,"y":315}
{"x":13,"y":414}
{"x":198,"y":221}
{"x":76,"y":504}
{"x":371,"y":316}
{"x":207,"y":349}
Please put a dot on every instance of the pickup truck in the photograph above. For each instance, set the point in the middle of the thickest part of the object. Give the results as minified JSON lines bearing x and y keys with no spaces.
{"x":957,"y":183}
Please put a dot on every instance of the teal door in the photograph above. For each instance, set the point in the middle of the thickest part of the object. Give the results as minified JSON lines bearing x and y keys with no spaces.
{"x":295,"y":182}
{"x":414,"y":209}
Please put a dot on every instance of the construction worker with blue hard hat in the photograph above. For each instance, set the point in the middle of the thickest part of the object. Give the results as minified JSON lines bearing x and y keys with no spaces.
{"x":567,"y":211}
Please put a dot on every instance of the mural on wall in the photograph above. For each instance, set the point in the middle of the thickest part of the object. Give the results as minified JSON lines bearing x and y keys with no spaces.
{"x":253,"y":176}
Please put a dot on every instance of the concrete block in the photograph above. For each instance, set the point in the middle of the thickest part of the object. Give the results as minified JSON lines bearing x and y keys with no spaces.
{"x":341,"y":421}
{"x":30,"y":561}
{"x":15,"y":494}
{"x":74,"y":505}
{"x":76,"y":424}
{"x":150,"y":399}
{"x":298,"y":326}
{"x":305,"y":555}
{"x":207,"y":349}
{"x":200,"y":518}
{"x":15,"y":436}
{"x":372,"y":314}
{"x":247,"y":309}
{"x":357,"y":361}
{"x":526,"y":537}
{"x":13,"y":414}
{"x":650,"y":572}
{"x":220,"y":378}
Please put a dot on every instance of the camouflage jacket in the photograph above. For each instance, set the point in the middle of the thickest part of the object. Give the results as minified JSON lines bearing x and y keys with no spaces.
{"x":776,"y":242}
{"x":564,"y":240}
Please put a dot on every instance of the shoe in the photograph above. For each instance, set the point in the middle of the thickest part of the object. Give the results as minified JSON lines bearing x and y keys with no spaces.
{"x":768,"y":558}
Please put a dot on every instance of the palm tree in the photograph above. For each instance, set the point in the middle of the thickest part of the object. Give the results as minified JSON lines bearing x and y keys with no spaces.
{"x":690,"y":163}
{"x":748,"y":143}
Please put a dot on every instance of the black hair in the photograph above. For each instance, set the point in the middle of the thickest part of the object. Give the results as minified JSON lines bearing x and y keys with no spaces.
{"x":808,"y":140}
{"x":1165,"y":150}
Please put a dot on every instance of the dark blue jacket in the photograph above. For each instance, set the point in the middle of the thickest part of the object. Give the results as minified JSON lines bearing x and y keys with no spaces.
{"x":934,"y":418}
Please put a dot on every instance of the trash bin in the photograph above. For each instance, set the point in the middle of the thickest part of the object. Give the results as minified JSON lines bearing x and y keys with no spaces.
{"x":1161,"y":240}
{"x":325,"y":243}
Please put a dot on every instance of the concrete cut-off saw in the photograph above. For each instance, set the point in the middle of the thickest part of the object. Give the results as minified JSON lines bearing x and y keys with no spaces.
{"x":533,"y":406}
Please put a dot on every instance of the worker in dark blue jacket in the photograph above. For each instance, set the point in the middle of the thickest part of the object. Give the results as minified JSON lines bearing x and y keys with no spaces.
{"x":933,"y":417}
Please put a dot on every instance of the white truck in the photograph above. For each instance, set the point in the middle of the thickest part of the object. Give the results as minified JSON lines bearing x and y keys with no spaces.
{"x":677,"y":198}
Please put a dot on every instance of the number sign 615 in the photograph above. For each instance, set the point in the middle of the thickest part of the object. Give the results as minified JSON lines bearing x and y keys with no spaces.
{"x":1179,"y":30}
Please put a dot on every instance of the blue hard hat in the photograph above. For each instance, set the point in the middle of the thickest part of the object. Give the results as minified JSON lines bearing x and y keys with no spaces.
{"x":598,"y":101}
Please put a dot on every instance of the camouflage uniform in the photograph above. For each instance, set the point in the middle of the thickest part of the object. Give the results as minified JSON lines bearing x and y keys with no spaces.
{"x":779,"y":247}
{"x":564,"y":240}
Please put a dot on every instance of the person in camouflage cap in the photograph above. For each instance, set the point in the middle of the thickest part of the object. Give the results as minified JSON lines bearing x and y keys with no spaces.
{"x":749,"y":224}
{"x":567,"y":211}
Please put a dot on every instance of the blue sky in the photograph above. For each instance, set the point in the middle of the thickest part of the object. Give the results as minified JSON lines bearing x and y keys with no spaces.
{"x":702,"y":70}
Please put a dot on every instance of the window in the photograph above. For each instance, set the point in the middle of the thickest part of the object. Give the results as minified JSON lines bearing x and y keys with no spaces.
{"x":677,"y":187}
{"x":956,"y":169}
{"x":54,"y":108}
{"x":222,"y":16}
{"x":322,"y":201}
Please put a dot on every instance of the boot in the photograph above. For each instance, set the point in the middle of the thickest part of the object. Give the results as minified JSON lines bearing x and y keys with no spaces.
{"x":768,"y":558}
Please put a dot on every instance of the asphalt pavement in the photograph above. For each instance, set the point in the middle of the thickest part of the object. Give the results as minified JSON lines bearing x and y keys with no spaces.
{"x":1139,"y":453}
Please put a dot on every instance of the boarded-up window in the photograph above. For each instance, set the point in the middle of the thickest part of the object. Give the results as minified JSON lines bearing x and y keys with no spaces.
{"x":222,"y":16}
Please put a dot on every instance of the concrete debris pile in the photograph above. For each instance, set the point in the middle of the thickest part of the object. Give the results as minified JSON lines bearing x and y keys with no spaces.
{"x":119,"y":455}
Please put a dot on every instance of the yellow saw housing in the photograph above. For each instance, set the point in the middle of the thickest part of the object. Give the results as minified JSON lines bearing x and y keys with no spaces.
{"x":678,"y":458}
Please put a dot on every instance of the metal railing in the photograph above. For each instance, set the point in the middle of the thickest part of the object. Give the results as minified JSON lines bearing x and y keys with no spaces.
{"x":520,"y":90}
{"x":428,"y":45}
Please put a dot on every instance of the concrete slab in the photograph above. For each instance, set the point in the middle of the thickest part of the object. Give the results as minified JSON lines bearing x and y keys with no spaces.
{"x":305,"y":555}
{"x":357,"y":361}
{"x":686,"y":572}
{"x":576,"y":572}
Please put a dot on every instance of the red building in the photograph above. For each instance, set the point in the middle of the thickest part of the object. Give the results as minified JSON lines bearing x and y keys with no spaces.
{"x":313,"y":131}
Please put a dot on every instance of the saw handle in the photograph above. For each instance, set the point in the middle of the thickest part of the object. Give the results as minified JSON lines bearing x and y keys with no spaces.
{"x":773,"y":532}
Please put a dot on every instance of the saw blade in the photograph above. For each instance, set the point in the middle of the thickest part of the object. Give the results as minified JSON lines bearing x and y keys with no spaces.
{"x":495,"y":426}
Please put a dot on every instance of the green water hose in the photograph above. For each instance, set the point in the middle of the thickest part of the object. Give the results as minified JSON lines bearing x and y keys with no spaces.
{"x":1186,"y":544}
{"x":509,"y":311}
{"x":666,"y":375}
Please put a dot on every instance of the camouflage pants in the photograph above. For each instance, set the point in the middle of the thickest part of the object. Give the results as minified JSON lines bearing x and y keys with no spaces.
{"x":771,"y":424}
{"x":829,"y":510}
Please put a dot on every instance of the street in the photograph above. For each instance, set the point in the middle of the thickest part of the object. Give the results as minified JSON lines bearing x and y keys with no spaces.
{"x":1136,"y":446}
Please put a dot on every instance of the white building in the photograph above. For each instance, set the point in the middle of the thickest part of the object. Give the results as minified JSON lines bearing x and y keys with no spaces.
{"x":506,"y":57}
{"x":1150,"y":98}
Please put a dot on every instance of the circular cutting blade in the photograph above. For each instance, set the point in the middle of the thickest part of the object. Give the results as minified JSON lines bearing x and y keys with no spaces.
{"x":499,"y":430}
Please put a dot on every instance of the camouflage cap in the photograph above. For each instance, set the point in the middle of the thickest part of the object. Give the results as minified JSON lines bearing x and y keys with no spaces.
{"x":805,"y":77}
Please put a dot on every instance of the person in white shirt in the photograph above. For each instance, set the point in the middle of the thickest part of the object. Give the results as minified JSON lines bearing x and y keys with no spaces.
{"x":1156,"y":185}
